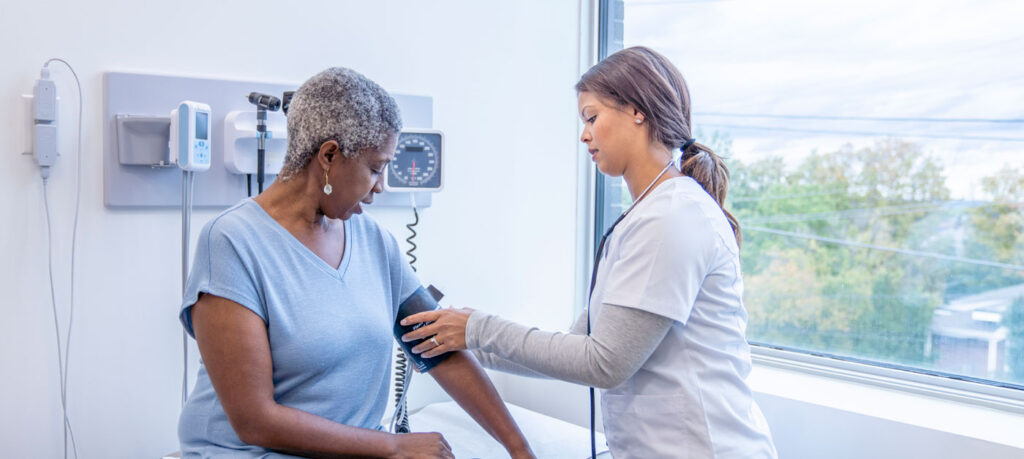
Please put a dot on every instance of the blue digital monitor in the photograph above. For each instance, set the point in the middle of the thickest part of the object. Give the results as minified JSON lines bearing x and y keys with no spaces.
{"x":202,"y":125}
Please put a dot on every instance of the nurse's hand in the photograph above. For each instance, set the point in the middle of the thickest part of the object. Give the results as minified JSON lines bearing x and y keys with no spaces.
{"x":448,"y":331}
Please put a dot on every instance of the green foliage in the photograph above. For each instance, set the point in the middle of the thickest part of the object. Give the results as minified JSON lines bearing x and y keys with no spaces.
{"x":848,"y":298}
{"x":996,"y":232}
{"x":1000,"y":225}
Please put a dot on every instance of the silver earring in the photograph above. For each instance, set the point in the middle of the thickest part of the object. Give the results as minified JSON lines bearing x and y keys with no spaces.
{"x":639,"y":120}
{"x":327,"y":186}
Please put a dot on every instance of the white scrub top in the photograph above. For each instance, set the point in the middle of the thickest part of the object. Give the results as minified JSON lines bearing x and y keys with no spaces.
{"x":675,"y":255}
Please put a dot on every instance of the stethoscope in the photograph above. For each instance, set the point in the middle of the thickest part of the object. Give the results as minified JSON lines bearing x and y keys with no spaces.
{"x":593,"y":281}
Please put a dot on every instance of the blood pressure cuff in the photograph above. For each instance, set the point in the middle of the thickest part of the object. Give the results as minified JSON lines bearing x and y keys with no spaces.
{"x":420,"y":301}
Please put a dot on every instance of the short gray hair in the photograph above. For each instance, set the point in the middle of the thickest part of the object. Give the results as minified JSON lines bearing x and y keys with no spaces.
{"x":338,"y":104}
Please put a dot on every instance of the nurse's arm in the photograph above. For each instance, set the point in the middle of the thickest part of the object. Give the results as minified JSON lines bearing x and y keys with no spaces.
{"x":621,"y":340}
{"x":466,"y":382}
{"x":493,"y":361}
{"x":235,"y":349}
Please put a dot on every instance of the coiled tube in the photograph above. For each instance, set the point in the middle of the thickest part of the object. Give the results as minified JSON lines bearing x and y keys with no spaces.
{"x":401,"y":381}
{"x":412,"y":245}
{"x":400,"y":420}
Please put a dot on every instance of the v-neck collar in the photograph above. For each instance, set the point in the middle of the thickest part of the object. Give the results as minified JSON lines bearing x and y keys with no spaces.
{"x":299,"y":247}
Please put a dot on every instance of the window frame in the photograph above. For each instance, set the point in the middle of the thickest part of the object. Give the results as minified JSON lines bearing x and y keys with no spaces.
{"x":960,"y":388}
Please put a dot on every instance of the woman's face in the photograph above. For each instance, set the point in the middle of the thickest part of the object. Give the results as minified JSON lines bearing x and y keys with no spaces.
{"x":356,"y":180}
{"x":611,"y":133}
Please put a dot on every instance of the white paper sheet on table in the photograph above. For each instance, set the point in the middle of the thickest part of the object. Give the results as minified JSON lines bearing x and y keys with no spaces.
{"x":549,"y":437}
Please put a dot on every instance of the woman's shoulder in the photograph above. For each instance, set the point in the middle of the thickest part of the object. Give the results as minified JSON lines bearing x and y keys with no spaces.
{"x":368,"y":229}
{"x":688,"y":192}
{"x":689,"y":198}
{"x":243,"y":221}
{"x":673,"y":203}
{"x":367,"y":226}
{"x":234,"y":216}
{"x":696,"y":210}
{"x":683,"y":210}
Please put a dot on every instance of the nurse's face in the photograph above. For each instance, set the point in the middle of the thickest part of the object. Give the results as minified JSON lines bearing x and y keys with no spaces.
{"x":611,"y":132}
{"x":354,"y":181}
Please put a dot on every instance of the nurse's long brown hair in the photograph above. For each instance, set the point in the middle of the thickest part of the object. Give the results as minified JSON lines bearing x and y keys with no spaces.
{"x":641,"y":78}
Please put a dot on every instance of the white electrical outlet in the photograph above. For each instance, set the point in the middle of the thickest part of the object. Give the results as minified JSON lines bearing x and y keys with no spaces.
{"x":25,"y":131}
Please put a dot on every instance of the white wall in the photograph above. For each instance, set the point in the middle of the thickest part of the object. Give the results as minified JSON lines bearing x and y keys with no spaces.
{"x":501,"y":74}
{"x":808,"y":430}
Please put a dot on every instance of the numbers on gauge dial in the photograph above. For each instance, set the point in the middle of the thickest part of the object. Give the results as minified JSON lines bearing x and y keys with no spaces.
{"x":415,"y":161}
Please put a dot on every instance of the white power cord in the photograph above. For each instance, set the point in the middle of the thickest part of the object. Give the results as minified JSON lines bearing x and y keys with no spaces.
{"x":61,"y":361}
{"x":64,"y":357}
{"x":400,"y":418}
{"x":188,"y":182}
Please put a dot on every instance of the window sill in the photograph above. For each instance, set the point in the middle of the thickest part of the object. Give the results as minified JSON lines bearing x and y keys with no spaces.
{"x":958,"y":407}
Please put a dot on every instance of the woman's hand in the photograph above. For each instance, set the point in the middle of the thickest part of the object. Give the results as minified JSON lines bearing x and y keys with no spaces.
{"x":447,"y":333}
{"x":421,"y":446}
{"x":525,"y":453}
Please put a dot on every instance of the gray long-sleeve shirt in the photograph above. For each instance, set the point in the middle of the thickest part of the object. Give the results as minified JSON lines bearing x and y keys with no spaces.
{"x":616,"y":348}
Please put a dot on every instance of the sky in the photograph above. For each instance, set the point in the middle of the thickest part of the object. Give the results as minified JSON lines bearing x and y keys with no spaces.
{"x":936,"y":60}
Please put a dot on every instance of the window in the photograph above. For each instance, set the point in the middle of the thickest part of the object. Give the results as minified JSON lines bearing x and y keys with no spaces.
{"x":877,"y":159}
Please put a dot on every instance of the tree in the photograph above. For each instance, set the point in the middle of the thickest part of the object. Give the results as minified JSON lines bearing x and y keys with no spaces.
{"x":995,"y":232}
{"x":844,"y":298}
{"x":1000,"y":225}
{"x":848,"y":297}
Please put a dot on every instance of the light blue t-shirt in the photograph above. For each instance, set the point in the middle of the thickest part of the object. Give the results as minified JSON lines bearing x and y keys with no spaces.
{"x":330,"y":330}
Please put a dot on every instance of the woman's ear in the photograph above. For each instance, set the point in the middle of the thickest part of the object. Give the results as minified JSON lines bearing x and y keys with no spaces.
{"x":638,"y":117}
{"x":329,"y":150}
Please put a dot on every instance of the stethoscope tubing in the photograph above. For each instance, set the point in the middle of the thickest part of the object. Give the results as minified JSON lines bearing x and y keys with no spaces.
{"x":593,"y":281}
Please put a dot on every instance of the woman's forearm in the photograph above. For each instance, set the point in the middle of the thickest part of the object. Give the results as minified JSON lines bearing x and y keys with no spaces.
{"x":294,"y":431}
{"x":235,"y":349}
{"x":467,"y":383}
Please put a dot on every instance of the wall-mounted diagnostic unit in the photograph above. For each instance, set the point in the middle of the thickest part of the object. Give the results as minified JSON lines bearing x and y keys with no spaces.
{"x":418,"y":163}
{"x":241,"y":141}
{"x":141,"y":149}
{"x":189,"y":140}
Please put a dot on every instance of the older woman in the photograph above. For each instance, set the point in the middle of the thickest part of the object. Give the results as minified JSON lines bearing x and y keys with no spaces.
{"x":293,"y":295}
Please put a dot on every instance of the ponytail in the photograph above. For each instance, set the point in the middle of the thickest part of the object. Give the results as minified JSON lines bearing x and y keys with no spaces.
{"x":643,"y":79}
{"x":708,"y":169}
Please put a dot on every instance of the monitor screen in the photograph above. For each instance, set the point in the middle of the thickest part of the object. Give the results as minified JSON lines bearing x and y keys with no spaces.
{"x":202,"y":125}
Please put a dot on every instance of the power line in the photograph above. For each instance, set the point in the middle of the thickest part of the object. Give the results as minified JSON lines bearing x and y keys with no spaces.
{"x":881,"y":211}
{"x":778,"y":197}
{"x":669,"y":2}
{"x":874,"y":212}
{"x":916,"y":253}
{"x":897,"y":119}
{"x":863,"y":133}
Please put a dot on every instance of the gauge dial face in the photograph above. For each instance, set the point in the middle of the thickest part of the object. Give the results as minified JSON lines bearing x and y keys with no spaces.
{"x":417,"y":162}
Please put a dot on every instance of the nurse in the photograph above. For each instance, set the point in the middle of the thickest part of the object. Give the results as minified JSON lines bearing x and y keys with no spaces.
{"x":664,"y":337}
